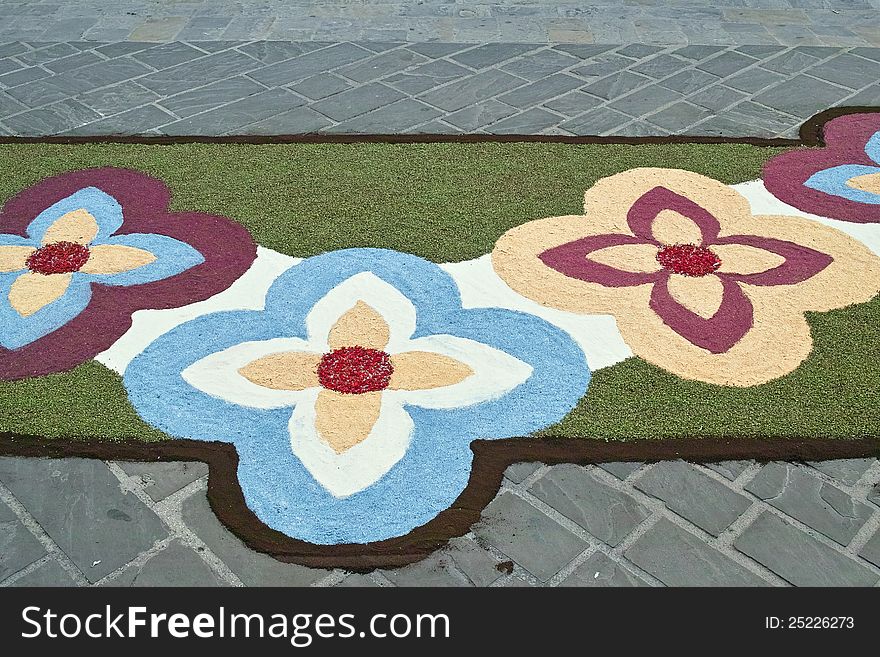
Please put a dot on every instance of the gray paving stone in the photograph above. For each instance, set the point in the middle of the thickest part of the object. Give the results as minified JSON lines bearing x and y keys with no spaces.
{"x":693,"y":495}
{"x":76,"y":493}
{"x":167,"y":55}
{"x":136,"y":121}
{"x":8,"y":105}
{"x":753,"y":80}
{"x":321,"y":85}
{"x":874,"y":495}
{"x":118,"y":98}
{"x":616,"y":85}
{"x":52,"y":119}
{"x":871,"y":550}
{"x":678,"y":558}
{"x":7,"y":65}
{"x":679,"y":117}
{"x":356,"y":580}
{"x":621,"y":469}
{"x":436,"y":127}
{"x":173,"y":566}
{"x":435,"y":571}
{"x":48,"y":54}
{"x":583,"y":51}
{"x":50,"y":573}
{"x":540,"y":64}
{"x":253,"y":568}
{"x":599,"y":570}
{"x":660,"y":66}
{"x":491,"y":54}
{"x":307,"y":65}
{"x":532,"y":121}
{"x":519,"y":472}
{"x":639,"y":129}
{"x":608,"y":514}
{"x":805,"y":497}
{"x":760,"y":51}
{"x":300,"y":120}
{"x":393,"y":118}
{"x":639,"y":50}
{"x":232,"y":117}
{"x":537,"y":92}
{"x":359,"y":100}
{"x":759,"y":119}
{"x":730,"y":469}
{"x":847,"y":471}
{"x":602,"y":65}
{"x":18,"y":547}
{"x":433,"y":49}
{"x":866,"y":97}
{"x":23,"y":76}
{"x":595,"y":122}
{"x":572,"y":104}
{"x":381,"y":65}
{"x":790,"y":62}
{"x":73,"y":62}
{"x":726,"y":63}
{"x":162,"y":479}
{"x":213,"y":95}
{"x":868,"y":53}
{"x":698,"y":52}
{"x":689,"y":81}
{"x":479,"y":115}
{"x":645,"y":100}
{"x":797,"y":557}
{"x":472,"y":90}
{"x":199,"y":72}
{"x":475,"y":562}
{"x":123,"y":48}
{"x":846,"y":70}
{"x":272,"y":52}
{"x":533,"y":540}
{"x":12,"y":48}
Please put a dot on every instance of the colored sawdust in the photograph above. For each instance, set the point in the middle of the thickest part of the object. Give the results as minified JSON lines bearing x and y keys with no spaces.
{"x":450,"y":202}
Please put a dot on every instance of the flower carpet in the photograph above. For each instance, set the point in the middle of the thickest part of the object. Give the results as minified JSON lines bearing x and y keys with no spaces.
{"x":358,"y":338}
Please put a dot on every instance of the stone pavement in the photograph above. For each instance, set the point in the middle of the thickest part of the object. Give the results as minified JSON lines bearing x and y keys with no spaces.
{"x":788,"y":22}
{"x":278,"y":87}
{"x":80,"y":522}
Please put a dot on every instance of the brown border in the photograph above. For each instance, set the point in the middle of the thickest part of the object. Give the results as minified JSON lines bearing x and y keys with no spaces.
{"x":491,"y":458}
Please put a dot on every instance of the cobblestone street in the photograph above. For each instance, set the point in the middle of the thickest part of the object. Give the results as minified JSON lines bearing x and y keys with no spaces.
{"x":732,"y":68}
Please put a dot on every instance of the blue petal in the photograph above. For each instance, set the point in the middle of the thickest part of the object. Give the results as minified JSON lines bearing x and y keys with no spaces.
{"x":872,"y":148}
{"x":436,"y":467}
{"x":834,"y":181}
{"x":17,"y":240}
{"x":17,"y":331}
{"x":172,"y":258}
{"x":103,"y":207}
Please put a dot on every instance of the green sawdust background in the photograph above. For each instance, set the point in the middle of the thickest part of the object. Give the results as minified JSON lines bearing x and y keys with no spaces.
{"x":449,"y":202}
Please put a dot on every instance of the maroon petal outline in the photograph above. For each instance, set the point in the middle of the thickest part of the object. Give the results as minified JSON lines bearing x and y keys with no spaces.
{"x":733,"y":319}
{"x":801,"y":262}
{"x":571,"y":259}
{"x":644,"y":211}
{"x":846,"y":137}
{"x":227,"y":247}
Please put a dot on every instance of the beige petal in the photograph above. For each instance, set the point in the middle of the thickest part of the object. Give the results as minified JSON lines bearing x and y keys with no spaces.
{"x":14,"y":258}
{"x":422,"y":370}
{"x":344,"y":420}
{"x":289,"y":370}
{"x":78,"y":226}
{"x":869,"y":182}
{"x":637,"y":258}
{"x":115,"y":258}
{"x":670,"y":227}
{"x":699,"y":294}
{"x":31,"y":291}
{"x":742,"y":259}
{"x":362,"y":326}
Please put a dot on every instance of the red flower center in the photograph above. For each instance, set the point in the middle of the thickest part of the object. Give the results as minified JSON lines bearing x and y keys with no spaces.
{"x":355,"y":370}
{"x":58,"y":258}
{"x":688,"y":259}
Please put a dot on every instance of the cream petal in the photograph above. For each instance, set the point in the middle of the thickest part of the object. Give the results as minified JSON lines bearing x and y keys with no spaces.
{"x":870,"y":182}
{"x":14,"y":258}
{"x":425,"y":370}
{"x":699,"y":294}
{"x":78,"y":226}
{"x":636,"y":258}
{"x":670,"y":227}
{"x":360,"y":326}
{"x":742,"y":259}
{"x":344,"y":420}
{"x":291,"y":370}
{"x":31,"y":291}
{"x":115,"y":258}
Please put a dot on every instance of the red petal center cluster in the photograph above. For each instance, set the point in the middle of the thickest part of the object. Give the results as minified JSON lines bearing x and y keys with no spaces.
{"x":355,"y":370}
{"x":58,"y":258}
{"x":688,"y":259}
